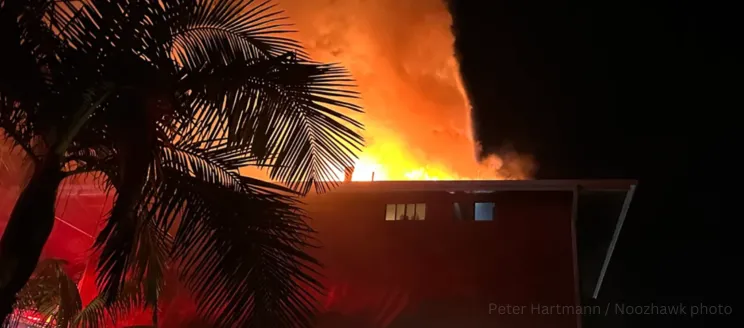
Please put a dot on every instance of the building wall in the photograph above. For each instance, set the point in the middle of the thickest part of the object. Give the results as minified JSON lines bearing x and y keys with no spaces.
{"x":444,"y":272}
{"x":433,"y":273}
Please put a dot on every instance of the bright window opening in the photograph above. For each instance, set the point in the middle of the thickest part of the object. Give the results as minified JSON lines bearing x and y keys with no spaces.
{"x":405,"y":212}
{"x":484,"y":211}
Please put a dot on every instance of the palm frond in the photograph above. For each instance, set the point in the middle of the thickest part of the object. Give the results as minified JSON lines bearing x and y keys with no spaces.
{"x":194,"y":32}
{"x":52,"y":296}
{"x":241,"y":253}
{"x":290,"y":112}
{"x":51,"y":293}
{"x":133,"y":254}
{"x":208,"y":86}
{"x":22,"y":79}
{"x":94,"y":315}
{"x":238,"y":242}
{"x":13,"y":129}
{"x":142,"y":279}
{"x":27,"y":43}
{"x":118,"y":239}
{"x":234,"y":234}
{"x":134,"y":251}
{"x":258,"y":91}
{"x":221,"y":31}
{"x":101,"y":313}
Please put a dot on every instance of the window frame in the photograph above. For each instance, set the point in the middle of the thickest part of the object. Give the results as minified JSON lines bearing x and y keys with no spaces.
{"x":493,"y":211}
{"x":406,"y":206}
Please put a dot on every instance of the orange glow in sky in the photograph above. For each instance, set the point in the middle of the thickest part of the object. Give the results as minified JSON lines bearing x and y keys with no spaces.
{"x":400,"y":52}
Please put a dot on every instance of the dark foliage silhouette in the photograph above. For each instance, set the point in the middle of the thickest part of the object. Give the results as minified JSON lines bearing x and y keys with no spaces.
{"x":162,"y":102}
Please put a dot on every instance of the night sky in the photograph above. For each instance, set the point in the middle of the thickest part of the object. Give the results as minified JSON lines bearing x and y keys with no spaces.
{"x":622,"y":89}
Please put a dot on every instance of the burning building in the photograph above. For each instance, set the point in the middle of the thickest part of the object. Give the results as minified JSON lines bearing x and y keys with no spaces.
{"x":506,"y":253}
{"x":466,"y":253}
{"x":399,"y":253}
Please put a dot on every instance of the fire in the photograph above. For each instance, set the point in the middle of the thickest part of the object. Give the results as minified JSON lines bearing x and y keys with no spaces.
{"x":392,"y":164}
{"x":417,"y":120}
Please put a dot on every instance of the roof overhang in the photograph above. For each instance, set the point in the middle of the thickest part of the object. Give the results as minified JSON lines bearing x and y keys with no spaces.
{"x":487,"y":185}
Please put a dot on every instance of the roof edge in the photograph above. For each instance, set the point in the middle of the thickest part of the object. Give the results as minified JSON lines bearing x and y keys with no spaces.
{"x":620,"y":185}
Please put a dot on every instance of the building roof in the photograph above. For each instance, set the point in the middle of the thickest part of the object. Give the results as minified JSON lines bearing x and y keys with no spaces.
{"x":487,"y":185}
{"x":619,"y":185}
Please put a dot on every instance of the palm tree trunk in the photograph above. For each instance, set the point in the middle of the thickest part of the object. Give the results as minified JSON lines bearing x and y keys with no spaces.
{"x":28,"y":229}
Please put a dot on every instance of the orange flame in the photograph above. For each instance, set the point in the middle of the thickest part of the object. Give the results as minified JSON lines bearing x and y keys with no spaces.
{"x":417,"y":120}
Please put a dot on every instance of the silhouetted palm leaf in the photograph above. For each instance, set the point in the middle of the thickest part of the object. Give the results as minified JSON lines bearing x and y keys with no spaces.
{"x":52,"y":297}
{"x":51,"y":294}
{"x":234,"y":237}
{"x":168,"y":99}
{"x":94,"y":315}
{"x":102,"y":313}
{"x":291,"y":125}
{"x":215,"y":31}
{"x":143,"y":286}
{"x":141,"y":277}
{"x":22,"y":79}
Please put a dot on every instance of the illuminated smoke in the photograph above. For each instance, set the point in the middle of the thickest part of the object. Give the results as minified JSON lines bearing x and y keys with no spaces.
{"x":417,"y":116}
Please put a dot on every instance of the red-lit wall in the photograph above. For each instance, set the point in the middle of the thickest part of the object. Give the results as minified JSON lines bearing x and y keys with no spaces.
{"x":441,"y":272}
{"x":433,"y":273}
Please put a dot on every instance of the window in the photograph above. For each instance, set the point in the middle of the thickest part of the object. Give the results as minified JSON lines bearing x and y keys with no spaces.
{"x":420,"y":211}
{"x":456,"y":212}
{"x":484,"y":211}
{"x":390,"y":212}
{"x":403,"y":212}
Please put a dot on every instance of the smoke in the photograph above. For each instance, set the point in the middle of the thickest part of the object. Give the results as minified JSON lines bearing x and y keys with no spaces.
{"x":417,"y":113}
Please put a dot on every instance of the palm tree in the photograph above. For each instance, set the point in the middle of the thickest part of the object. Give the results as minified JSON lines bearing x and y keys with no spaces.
{"x":50,"y":296}
{"x":51,"y":299}
{"x":162,"y":102}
